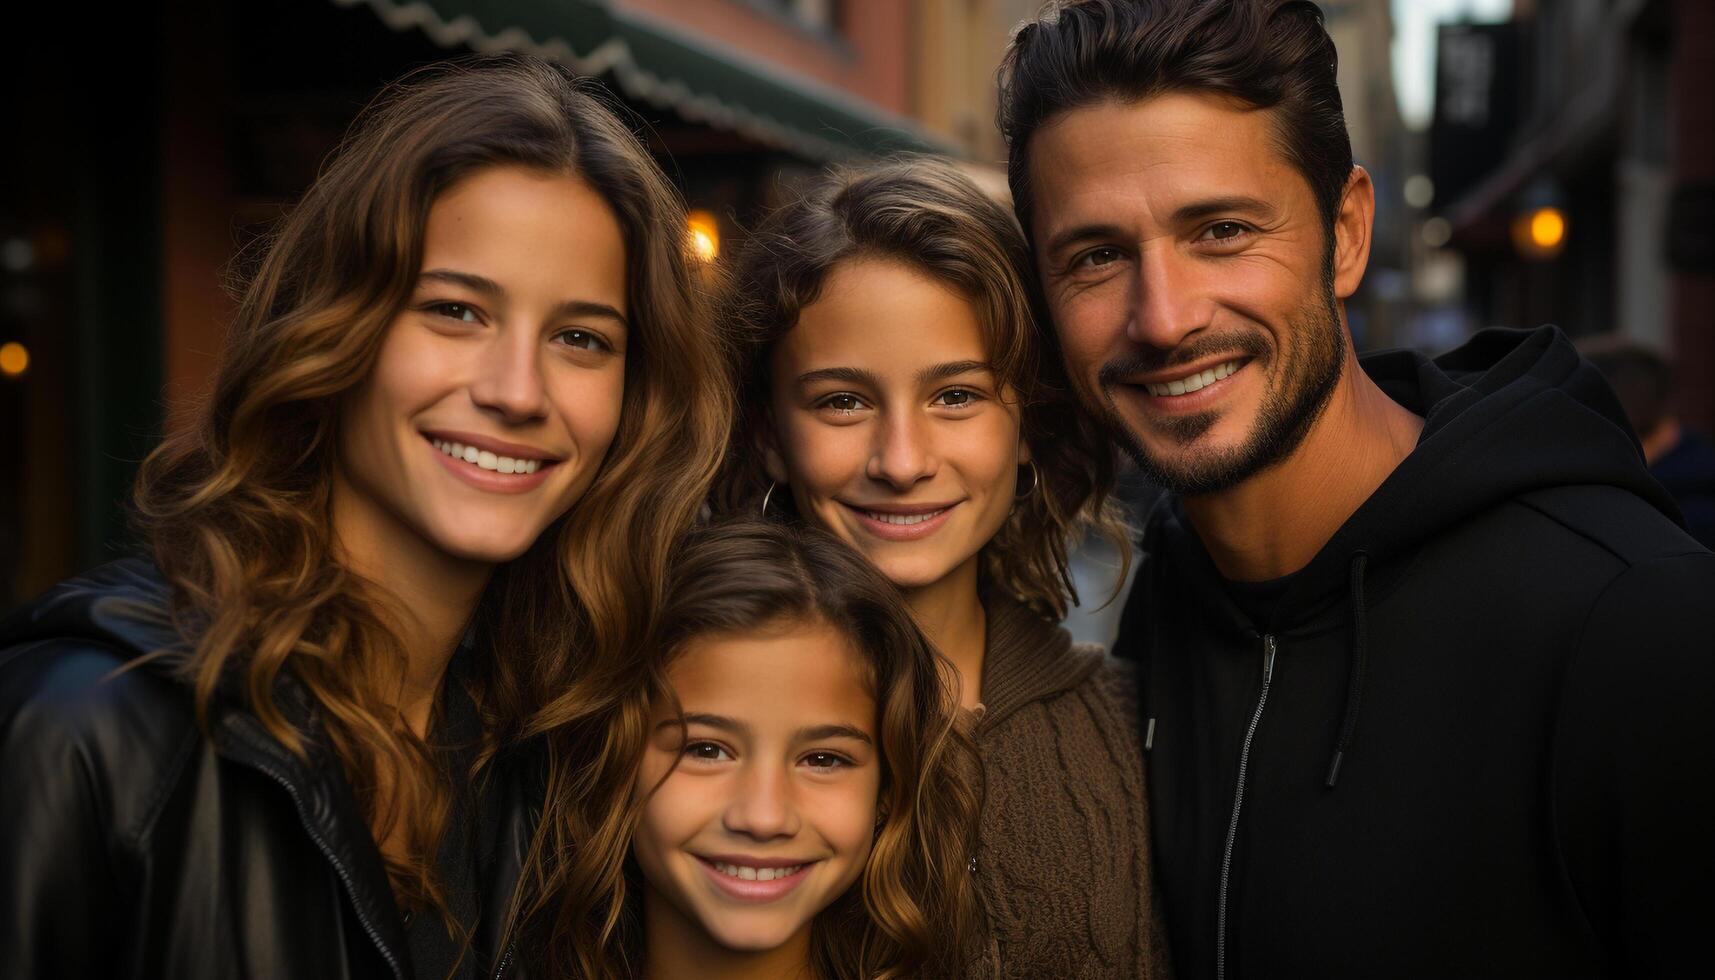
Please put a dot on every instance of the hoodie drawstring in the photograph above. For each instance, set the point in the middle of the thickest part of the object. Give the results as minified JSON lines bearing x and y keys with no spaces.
{"x":1360,"y":664}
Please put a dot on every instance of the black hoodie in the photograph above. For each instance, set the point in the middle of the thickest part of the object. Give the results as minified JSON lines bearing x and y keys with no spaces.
{"x":1477,"y":736}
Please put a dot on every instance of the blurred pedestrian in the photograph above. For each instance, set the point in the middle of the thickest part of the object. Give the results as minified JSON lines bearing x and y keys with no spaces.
{"x":1426,"y":675}
{"x":1681,"y":458}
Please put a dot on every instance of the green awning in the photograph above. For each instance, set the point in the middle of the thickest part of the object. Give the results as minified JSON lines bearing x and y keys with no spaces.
{"x":657,"y":63}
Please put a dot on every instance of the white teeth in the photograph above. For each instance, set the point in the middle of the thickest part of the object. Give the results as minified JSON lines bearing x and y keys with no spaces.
{"x":744,"y":873}
{"x":487,"y":460}
{"x":1195,"y":382}
{"x":904,"y":520}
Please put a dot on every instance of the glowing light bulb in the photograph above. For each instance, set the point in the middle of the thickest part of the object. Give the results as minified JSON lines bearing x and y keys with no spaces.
{"x":14,"y":359}
{"x":705,"y":235}
{"x":1547,"y":228}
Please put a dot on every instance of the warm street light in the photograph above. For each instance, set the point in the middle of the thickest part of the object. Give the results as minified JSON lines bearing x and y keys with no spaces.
{"x":705,"y":235}
{"x":14,"y":359}
{"x":1541,"y":232}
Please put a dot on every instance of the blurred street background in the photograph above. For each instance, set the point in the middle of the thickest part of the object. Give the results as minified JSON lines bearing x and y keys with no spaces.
{"x":1536,"y":161}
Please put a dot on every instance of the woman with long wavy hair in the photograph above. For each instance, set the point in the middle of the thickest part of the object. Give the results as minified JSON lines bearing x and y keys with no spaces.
{"x":780,"y":787}
{"x":468,"y":403}
{"x":898,"y":389}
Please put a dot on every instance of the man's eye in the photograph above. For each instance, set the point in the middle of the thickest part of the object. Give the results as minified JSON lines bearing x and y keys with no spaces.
{"x":1225,"y":230}
{"x":706,"y":752}
{"x":454,"y":311}
{"x":1095,"y":258}
{"x":825,"y":760}
{"x":582,"y":340}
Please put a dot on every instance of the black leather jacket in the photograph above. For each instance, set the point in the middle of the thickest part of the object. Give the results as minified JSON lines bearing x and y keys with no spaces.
{"x":132,"y":846}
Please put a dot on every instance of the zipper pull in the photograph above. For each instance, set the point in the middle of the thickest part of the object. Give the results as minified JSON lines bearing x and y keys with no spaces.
{"x":1268,"y":658}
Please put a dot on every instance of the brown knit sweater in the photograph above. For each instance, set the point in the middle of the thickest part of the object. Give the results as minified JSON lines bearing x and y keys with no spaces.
{"x":1063,"y":863}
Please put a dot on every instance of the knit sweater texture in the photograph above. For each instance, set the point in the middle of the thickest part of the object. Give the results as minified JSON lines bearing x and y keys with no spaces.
{"x":1063,"y":861}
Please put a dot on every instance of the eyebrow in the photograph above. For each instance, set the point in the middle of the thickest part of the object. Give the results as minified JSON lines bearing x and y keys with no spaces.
{"x":812,"y":734}
{"x":859,"y":376}
{"x":1184,"y":214}
{"x":490,"y":289}
{"x":1236,"y":203}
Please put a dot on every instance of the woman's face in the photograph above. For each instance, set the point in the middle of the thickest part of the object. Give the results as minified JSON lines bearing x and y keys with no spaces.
{"x":497,"y":389}
{"x":768,"y":811}
{"x":889,"y":426}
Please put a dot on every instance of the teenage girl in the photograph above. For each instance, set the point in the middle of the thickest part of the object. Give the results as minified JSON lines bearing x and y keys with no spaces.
{"x":899,"y":390}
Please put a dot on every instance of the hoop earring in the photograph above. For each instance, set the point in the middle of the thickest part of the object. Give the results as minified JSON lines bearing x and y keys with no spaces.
{"x":765,"y":497}
{"x":1035,"y":478}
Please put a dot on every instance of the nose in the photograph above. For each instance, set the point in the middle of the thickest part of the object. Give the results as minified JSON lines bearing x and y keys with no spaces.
{"x":1171,"y":302}
{"x":903,"y":453}
{"x":763,"y":807}
{"x":508,"y":380}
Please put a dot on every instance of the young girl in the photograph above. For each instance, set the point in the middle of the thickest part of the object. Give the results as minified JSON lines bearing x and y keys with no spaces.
{"x":779,"y":789}
{"x":467,"y":404}
{"x":897,"y":391}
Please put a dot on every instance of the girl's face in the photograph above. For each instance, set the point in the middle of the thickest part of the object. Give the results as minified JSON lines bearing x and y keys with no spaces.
{"x":768,"y":811}
{"x":889,"y":426}
{"x":497,"y":390}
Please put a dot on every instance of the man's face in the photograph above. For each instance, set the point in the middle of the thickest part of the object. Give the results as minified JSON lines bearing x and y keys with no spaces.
{"x":1191,"y":282}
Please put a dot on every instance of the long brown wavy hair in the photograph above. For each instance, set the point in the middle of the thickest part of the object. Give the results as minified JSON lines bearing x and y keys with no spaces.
{"x":237,"y":507}
{"x":916,"y":891}
{"x":922,"y":211}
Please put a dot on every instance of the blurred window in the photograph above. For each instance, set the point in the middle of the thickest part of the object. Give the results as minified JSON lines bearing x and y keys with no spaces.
{"x":822,"y":16}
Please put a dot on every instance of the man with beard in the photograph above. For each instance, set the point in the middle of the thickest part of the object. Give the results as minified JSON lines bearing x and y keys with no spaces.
{"x":1428,"y":688}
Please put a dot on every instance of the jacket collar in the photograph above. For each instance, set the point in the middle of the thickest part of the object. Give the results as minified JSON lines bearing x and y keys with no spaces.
{"x":125,"y":604}
{"x":1028,"y":658}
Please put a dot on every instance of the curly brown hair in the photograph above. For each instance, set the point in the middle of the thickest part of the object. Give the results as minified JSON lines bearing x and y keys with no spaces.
{"x":916,"y":888}
{"x":922,"y":211}
{"x":237,"y":506}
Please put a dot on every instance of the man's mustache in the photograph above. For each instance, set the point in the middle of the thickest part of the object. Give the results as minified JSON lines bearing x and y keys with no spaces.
{"x":1144,"y":360}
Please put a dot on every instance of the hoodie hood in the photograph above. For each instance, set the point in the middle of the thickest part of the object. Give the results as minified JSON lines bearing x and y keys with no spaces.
{"x":122,"y":605}
{"x":1511,"y":412}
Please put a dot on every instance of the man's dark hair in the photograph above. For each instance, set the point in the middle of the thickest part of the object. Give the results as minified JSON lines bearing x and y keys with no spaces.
{"x":1266,"y":54}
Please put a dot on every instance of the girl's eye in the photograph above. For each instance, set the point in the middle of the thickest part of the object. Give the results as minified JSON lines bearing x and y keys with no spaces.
{"x":706,"y":752}
{"x":825,"y":760}
{"x":956,"y":398}
{"x":455,"y":311}
{"x":843,"y":403}
{"x":581,"y":340}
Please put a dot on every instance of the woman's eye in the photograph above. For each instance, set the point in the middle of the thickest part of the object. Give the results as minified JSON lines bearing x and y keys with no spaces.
{"x":581,"y":340}
{"x":825,"y":760}
{"x":706,"y":752}
{"x":843,"y":404}
{"x":455,"y":311}
{"x":956,"y":398}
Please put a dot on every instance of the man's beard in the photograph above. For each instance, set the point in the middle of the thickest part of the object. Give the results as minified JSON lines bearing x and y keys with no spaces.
{"x":1305,"y":379}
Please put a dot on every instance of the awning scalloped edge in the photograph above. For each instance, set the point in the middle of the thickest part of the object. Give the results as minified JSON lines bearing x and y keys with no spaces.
{"x":612,"y":55}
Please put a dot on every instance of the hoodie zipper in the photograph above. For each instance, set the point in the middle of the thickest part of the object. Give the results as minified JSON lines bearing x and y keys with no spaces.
{"x":338,"y":867}
{"x":1238,"y":802}
{"x":505,"y":961}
